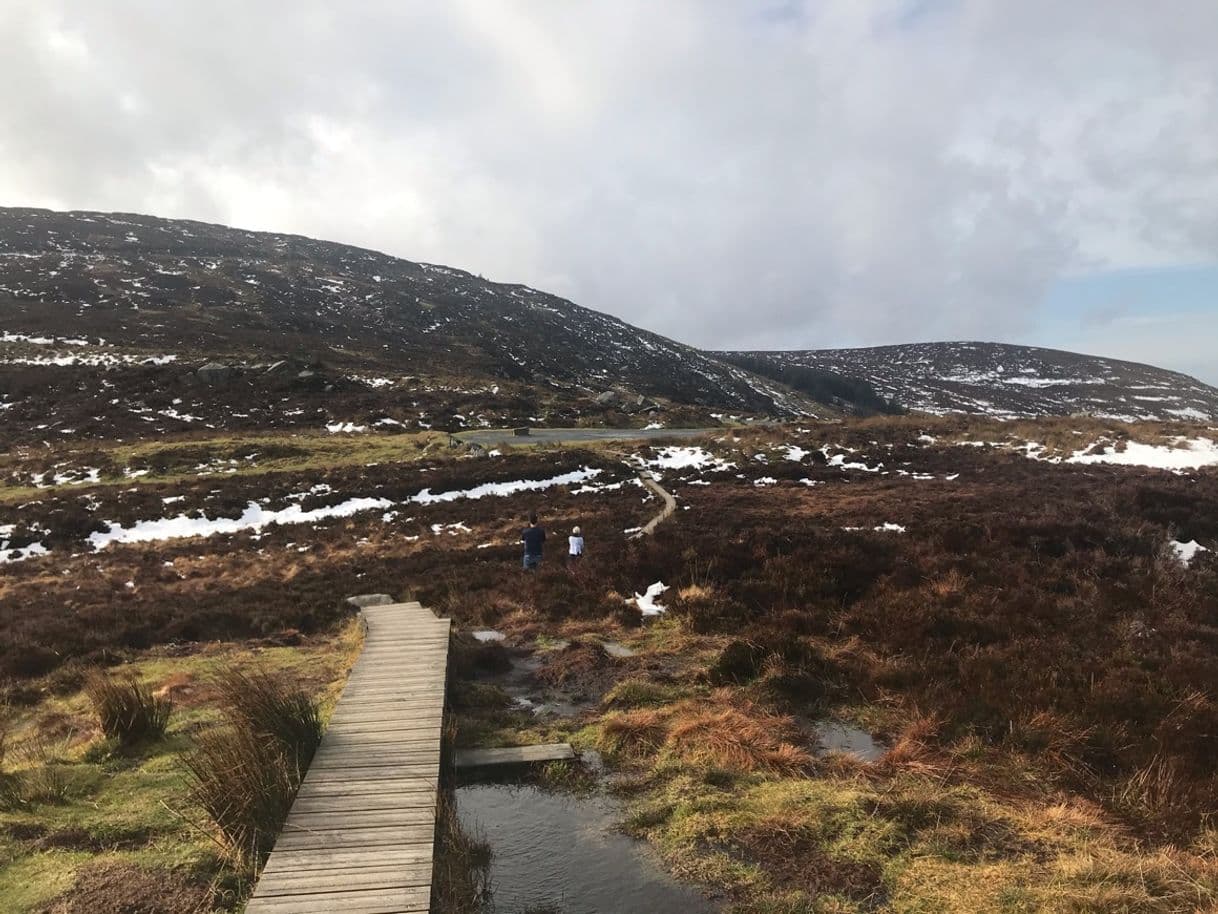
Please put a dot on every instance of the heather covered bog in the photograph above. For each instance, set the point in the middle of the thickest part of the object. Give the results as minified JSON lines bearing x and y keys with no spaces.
{"x":1026,"y":633}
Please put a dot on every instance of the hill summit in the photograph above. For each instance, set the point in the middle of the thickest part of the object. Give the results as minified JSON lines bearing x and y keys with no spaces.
{"x":118,"y":325}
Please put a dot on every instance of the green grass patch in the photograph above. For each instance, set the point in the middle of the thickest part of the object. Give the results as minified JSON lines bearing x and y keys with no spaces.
{"x":192,"y":459}
{"x":128,"y":805}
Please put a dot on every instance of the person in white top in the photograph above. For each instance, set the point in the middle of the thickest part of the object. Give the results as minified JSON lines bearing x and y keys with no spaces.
{"x":575,"y":545}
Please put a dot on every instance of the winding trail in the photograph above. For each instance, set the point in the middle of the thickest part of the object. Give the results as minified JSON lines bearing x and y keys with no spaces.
{"x":670,"y":505}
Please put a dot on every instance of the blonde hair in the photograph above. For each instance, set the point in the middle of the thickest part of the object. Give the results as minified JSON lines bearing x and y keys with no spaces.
{"x":575,"y":531}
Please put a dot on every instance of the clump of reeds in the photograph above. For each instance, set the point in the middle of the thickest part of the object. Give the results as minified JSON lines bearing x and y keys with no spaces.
{"x":269,"y":707}
{"x":126,"y":708}
{"x":460,"y":881}
{"x":245,"y":785}
{"x":10,"y":782}
{"x":244,"y":776}
{"x":38,"y":778}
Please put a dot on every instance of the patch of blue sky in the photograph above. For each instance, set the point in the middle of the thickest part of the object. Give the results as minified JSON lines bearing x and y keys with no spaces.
{"x":1163,"y":316}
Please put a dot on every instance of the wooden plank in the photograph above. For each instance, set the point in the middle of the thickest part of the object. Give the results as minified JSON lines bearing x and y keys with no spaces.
{"x":384,"y":728}
{"x":514,"y":755}
{"x":337,"y":788}
{"x":368,"y":773}
{"x":388,"y":708}
{"x":311,"y":860}
{"x":355,"y":713}
{"x":371,"y":836}
{"x":361,"y":901}
{"x":411,"y":736}
{"x":299,"y":882}
{"x":376,"y":760}
{"x":365,"y":802}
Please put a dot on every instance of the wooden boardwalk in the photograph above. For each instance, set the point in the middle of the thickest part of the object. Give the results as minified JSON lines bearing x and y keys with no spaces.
{"x":359,"y":837}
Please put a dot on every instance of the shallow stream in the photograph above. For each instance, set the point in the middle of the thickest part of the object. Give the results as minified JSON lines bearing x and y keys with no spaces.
{"x":561,"y":853}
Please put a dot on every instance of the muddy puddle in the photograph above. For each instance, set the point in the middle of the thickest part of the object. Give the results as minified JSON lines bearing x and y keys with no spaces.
{"x":835,"y":736}
{"x":561,"y":853}
{"x":520,"y":682}
{"x":615,"y":649}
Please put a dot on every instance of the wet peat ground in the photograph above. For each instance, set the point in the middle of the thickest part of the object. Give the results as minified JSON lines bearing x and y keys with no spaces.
{"x":1028,"y":612}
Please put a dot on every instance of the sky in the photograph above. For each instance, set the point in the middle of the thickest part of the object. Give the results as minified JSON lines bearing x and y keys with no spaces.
{"x":733,"y":174}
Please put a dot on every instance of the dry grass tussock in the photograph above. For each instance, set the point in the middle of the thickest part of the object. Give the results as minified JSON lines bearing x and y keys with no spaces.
{"x":913,"y":744}
{"x":32,"y":773}
{"x":1100,"y":879}
{"x":692,"y":592}
{"x":634,"y":733}
{"x":245,"y":775}
{"x":127,"y":710}
{"x":273,"y":709}
{"x":724,"y":731}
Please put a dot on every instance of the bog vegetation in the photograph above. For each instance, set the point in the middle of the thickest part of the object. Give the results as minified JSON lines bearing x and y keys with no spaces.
{"x":1036,"y":661}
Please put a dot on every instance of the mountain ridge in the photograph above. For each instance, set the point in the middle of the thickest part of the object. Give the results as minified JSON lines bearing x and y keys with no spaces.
{"x":171,"y":323}
{"x":1011,"y":381}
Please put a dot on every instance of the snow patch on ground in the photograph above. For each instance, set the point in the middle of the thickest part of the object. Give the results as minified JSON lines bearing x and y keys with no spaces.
{"x":1189,"y":412}
{"x":684,"y":458}
{"x":18,"y":554}
{"x":451,"y":529}
{"x":256,"y":517}
{"x":503,"y":489}
{"x":646,"y":602}
{"x":7,"y":337}
{"x":840,"y":461}
{"x":82,"y":477}
{"x":1186,"y":552}
{"x":97,"y":360}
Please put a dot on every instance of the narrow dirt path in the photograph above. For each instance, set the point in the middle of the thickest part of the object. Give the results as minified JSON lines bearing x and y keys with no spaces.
{"x":670,"y":505}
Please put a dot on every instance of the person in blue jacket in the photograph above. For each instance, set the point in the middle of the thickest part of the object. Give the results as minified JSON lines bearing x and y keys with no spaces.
{"x":533,"y":536}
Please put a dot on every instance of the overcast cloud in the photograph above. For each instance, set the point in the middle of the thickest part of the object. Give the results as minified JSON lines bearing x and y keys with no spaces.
{"x":776,"y":174}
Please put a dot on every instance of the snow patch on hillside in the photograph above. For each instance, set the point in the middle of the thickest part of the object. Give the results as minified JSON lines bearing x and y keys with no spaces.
{"x":1181,"y":454}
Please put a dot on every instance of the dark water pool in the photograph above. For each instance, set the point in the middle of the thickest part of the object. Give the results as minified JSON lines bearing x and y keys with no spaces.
{"x":560,"y":853}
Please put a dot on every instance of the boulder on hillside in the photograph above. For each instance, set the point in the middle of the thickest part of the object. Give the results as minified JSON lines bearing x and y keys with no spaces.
{"x":215,"y":373}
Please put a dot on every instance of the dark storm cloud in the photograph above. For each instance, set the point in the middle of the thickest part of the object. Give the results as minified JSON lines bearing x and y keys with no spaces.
{"x":781,"y":174}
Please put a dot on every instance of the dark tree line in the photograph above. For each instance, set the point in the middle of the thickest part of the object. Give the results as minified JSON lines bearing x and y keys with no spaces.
{"x":854,"y":394}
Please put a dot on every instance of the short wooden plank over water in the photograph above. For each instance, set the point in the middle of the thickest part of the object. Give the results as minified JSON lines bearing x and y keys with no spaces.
{"x":514,"y":755}
{"x":359,"y":837}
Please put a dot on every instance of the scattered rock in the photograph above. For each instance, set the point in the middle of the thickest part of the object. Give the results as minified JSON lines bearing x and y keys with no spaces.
{"x":215,"y":373}
{"x":370,"y":599}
